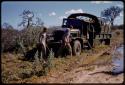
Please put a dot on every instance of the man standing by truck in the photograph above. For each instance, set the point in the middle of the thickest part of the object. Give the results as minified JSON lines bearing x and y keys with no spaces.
{"x":42,"y":44}
{"x":65,"y":46}
{"x":67,"y":40}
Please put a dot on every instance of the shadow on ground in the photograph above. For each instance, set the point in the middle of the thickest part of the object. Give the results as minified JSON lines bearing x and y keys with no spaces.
{"x":107,"y":72}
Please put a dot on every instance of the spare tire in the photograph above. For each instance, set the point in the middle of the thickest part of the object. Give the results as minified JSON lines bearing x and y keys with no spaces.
{"x":76,"y":48}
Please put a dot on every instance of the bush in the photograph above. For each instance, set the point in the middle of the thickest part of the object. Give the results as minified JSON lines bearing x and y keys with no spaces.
{"x":29,"y":37}
{"x":8,"y":39}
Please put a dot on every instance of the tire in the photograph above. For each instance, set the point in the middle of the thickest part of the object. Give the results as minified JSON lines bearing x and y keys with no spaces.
{"x":107,"y":41}
{"x":77,"y":48}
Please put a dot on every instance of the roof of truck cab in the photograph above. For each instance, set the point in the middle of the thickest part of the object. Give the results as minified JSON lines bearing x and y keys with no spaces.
{"x":75,"y":15}
{"x":81,"y":14}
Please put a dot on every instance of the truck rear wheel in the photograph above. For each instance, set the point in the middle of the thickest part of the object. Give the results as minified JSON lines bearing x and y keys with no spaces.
{"x":76,"y":48}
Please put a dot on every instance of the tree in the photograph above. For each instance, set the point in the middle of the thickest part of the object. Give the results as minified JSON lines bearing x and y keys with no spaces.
{"x":7,"y":26}
{"x":27,"y":18}
{"x":111,"y":13}
{"x":39,"y":22}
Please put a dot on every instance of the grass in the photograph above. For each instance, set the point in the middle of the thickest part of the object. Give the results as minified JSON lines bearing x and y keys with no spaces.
{"x":24,"y":71}
{"x":14,"y":70}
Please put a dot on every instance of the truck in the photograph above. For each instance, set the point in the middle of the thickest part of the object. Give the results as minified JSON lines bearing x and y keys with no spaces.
{"x":85,"y":29}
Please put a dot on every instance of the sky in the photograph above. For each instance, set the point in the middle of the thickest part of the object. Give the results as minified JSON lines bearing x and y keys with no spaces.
{"x":52,"y":12}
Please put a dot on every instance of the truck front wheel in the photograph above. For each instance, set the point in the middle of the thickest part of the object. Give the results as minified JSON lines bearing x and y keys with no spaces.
{"x":77,"y":48}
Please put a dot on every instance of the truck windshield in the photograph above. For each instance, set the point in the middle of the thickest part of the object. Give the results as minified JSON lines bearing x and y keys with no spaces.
{"x":74,"y":22}
{"x":64,"y":22}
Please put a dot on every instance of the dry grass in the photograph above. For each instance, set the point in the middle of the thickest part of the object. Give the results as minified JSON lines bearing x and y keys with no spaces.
{"x":14,"y":70}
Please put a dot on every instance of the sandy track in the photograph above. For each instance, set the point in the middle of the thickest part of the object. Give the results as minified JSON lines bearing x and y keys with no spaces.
{"x":80,"y":75}
{"x":100,"y":75}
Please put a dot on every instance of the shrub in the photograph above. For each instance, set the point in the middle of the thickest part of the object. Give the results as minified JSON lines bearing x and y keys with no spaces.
{"x":8,"y":39}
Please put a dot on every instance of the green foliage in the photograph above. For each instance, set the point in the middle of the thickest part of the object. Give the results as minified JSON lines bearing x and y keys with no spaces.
{"x":111,"y":13}
{"x":25,"y":73}
{"x":22,"y":47}
{"x":50,"y":58}
{"x":7,"y":77}
{"x":30,"y":36}
{"x":8,"y":37}
{"x":46,"y":67}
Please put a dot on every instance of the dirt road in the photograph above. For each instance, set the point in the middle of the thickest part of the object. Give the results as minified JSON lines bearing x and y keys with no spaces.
{"x":99,"y":75}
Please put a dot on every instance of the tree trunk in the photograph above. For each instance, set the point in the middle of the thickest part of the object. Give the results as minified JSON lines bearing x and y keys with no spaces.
{"x":112,"y":20}
{"x":28,"y":23}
